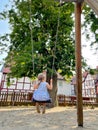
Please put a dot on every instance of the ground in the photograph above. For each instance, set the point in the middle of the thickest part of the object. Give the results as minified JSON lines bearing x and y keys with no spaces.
{"x":58,"y":118}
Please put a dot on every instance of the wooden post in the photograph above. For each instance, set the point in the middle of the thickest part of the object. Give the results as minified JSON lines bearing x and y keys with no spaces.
{"x":78,"y":63}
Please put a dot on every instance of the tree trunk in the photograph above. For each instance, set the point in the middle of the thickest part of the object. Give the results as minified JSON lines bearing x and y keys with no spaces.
{"x":53,"y":92}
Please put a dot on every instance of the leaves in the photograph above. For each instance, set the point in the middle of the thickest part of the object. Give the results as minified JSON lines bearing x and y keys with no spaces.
{"x":92,"y":20}
{"x":37,"y":50}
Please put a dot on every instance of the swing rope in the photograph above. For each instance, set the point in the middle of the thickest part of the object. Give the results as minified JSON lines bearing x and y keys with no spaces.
{"x":55,"y":44}
{"x":31,"y":34}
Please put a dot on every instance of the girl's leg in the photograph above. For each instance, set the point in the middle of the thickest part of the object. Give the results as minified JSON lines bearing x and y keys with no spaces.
{"x":37,"y":107}
{"x":44,"y":108}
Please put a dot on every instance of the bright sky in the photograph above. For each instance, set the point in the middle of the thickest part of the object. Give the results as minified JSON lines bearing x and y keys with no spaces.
{"x":88,"y":52}
{"x":92,"y":59}
{"x":4,"y":27}
{"x":90,"y":55}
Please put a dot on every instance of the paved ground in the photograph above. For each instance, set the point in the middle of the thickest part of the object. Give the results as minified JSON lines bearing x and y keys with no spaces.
{"x":58,"y":118}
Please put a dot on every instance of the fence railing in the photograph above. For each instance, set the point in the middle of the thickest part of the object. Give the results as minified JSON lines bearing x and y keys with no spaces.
{"x":15,"y":98}
{"x":72,"y":100}
{"x":24,"y":98}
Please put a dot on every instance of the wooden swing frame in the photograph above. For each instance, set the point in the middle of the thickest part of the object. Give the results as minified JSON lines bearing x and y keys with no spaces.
{"x":78,"y":4}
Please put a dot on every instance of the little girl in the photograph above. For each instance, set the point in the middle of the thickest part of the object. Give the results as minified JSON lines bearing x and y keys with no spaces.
{"x":41,"y":94}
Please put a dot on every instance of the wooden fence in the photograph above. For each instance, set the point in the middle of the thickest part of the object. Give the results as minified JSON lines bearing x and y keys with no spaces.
{"x":24,"y":98}
{"x":15,"y":98}
{"x":71,"y":100}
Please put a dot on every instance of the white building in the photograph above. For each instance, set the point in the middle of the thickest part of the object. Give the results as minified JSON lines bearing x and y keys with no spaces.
{"x":25,"y":84}
{"x":64,"y":88}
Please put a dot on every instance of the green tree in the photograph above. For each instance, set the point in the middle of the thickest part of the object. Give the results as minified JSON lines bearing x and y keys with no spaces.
{"x":48,"y":43}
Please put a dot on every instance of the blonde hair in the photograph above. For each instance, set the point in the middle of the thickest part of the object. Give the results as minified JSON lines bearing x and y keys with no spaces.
{"x":41,"y":76}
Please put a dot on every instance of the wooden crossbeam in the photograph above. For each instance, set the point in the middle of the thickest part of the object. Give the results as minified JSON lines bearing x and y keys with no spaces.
{"x":93,"y":4}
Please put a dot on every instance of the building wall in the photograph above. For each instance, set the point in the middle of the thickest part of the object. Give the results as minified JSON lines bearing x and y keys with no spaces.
{"x":64,"y":87}
{"x":16,"y":84}
{"x":89,"y":86}
{"x":26,"y":84}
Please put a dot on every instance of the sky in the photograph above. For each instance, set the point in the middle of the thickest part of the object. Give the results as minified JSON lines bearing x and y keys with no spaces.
{"x":4,"y":27}
{"x":87,"y":52}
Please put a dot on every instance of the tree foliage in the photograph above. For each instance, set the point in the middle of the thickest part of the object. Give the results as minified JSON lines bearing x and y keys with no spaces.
{"x":91,"y":20}
{"x":42,"y":38}
{"x":44,"y":20}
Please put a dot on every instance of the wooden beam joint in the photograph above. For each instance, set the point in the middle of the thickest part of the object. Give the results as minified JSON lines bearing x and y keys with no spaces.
{"x":79,"y":1}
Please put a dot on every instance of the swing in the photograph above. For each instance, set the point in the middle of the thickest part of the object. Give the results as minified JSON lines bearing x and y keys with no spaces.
{"x":53,"y":68}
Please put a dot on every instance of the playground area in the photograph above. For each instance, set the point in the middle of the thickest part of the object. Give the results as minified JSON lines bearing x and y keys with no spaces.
{"x":27,"y":47}
{"x":57,"y":118}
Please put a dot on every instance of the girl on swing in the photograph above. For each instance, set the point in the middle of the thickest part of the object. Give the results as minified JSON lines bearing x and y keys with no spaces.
{"x":41,"y":94}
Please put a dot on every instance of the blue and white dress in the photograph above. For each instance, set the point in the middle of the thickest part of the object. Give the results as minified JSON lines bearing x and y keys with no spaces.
{"x":41,"y":94}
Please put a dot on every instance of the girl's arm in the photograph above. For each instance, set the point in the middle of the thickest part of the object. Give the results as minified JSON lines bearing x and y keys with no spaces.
{"x":50,"y":86}
{"x":35,"y":86}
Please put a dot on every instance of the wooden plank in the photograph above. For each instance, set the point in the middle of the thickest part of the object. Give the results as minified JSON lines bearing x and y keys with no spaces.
{"x":93,"y":4}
